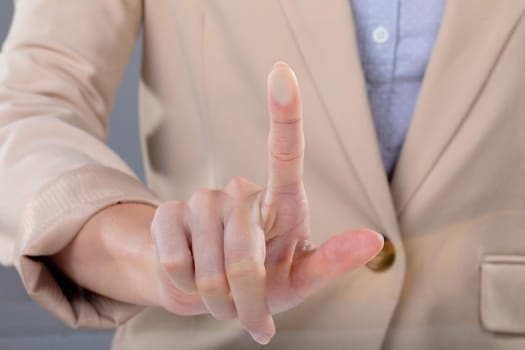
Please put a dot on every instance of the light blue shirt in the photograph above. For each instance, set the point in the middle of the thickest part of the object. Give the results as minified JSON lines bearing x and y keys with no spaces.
{"x":395,"y":39}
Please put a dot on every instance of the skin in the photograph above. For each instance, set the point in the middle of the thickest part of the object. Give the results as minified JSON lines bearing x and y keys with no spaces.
{"x":242,"y":252}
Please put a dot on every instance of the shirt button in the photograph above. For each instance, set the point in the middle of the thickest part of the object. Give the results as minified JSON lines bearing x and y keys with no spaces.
{"x":385,"y":259}
{"x":380,"y":35}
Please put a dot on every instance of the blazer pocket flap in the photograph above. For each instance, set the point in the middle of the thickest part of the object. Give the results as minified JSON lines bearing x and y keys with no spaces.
{"x":503,"y":293}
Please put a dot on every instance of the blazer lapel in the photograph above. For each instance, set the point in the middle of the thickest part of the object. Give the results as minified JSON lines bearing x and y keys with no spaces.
{"x":325,"y":35}
{"x":472,"y":36}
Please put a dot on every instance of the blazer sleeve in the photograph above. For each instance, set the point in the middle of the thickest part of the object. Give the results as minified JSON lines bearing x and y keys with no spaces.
{"x":60,"y":66}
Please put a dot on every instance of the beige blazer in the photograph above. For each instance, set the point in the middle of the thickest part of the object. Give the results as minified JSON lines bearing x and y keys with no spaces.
{"x":454,"y":210}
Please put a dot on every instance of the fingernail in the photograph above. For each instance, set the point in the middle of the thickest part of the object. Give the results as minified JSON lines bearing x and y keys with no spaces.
{"x":281,"y":83}
{"x":261,"y":338}
{"x":370,"y":241}
{"x":379,"y":236}
{"x":280,"y":64}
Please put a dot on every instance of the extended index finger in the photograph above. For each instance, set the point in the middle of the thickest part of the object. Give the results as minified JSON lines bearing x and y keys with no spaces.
{"x":286,"y":138}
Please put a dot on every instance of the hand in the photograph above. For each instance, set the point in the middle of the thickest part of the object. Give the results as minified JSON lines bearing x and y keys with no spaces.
{"x":244,"y":251}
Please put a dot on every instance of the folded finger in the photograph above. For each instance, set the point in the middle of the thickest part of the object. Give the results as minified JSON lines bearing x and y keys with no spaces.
{"x":208,"y":250}
{"x":244,"y":261}
{"x":172,"y":246}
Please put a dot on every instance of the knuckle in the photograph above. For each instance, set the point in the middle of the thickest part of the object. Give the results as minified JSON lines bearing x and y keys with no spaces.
{"x":175,"y":263}
{"x":240,"y":186}
{"x":237,"y":183}
{"x":245,"y":269}
{"x":286,"y":155}
{"x":212,"y":285}
{"x":169,"y":209}
{"x":166,"y":215}
{"x":206,"y":199}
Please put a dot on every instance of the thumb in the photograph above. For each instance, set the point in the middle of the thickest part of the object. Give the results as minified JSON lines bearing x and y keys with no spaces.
{"x":337,"y":256}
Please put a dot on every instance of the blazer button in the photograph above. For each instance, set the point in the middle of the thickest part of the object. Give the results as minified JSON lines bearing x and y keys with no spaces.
{"x":384,"y":259}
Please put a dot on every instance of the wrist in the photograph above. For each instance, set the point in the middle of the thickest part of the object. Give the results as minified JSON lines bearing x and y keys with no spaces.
{"x":127,"y":235}
{"x":113,"y":255}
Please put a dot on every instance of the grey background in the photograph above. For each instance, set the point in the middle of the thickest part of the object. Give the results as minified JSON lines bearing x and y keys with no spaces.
{"x":24,"y":324}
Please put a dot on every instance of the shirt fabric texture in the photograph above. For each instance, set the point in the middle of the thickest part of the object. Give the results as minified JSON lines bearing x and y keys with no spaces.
{"x":395,"y":39}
